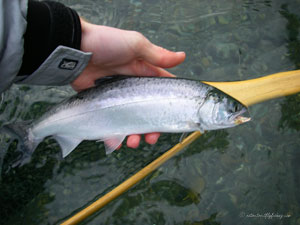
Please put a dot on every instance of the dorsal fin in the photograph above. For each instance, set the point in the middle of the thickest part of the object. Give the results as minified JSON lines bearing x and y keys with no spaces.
{"x":109,"y":79}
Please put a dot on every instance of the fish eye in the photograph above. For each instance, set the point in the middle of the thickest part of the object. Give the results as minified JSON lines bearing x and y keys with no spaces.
{"x":236,"y":108}
{"x":230,"y":110}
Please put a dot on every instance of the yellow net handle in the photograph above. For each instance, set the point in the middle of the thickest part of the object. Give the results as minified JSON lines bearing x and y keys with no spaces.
{"x":257,"y":90}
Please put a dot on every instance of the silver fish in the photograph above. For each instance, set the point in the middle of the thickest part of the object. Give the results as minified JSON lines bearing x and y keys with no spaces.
{"x":121,"y":106}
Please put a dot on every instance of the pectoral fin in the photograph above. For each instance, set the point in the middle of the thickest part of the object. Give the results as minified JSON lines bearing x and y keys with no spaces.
{"x":67,"y":144}
{"x":196,"y":126}
{"x":113,"y":143}
{"x":183,"y":136}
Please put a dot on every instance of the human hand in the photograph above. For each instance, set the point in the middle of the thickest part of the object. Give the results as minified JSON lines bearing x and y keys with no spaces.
{"x":117,"y":51}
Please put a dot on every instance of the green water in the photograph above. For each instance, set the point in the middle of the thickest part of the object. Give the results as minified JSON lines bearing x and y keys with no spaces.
{"x":243,"y":175}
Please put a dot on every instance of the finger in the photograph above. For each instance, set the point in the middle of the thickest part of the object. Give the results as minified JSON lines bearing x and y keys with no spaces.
{"x":133,"y":141}
{"x":152,"y":138}
{"x":164,"y":73}
{"x":145,"y":69}
{"x":119,"y":147}
{"x":142,"y":68}
{"x":161,"y":57}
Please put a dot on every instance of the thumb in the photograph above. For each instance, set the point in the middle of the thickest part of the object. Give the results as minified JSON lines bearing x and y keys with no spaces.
{"x":161,"y":57}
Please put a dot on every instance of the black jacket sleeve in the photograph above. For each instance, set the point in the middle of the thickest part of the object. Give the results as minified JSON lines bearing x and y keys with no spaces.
{"x":49,"y":24}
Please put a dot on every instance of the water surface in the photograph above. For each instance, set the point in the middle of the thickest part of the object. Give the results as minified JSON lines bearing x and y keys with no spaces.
{"x":244,"y":175}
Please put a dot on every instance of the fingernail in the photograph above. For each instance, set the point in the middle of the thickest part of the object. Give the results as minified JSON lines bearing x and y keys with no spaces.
{"x":180,"y":53}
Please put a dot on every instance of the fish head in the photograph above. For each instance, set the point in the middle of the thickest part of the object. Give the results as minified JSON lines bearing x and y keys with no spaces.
{"x":236,"y":112}
{"x":221,"y":111}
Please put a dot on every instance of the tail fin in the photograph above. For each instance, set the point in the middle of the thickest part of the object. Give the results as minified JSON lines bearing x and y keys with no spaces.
{"x":27,"y":143}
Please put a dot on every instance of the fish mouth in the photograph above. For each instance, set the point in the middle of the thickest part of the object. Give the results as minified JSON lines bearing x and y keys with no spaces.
{"x":242,"y":117}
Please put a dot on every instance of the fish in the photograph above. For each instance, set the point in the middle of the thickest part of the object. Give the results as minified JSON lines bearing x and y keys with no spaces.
{"x":123,"y":105}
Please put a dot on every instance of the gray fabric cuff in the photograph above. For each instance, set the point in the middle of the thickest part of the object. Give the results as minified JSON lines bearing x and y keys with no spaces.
{"x":62,"y":67}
